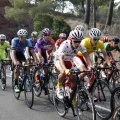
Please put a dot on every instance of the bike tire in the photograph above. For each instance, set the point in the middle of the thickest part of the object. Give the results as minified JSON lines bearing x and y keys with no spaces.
{"x":52,"y":82}
{"x":84,"y":105}
{"x":102,"y":92}
{"x":28,"y":92}
{"x":116,"y":114}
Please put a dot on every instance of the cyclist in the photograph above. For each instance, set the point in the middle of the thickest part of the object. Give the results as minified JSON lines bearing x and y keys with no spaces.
{"x":110,"y":46}
{"x":43,"y":45}
{"x":4,"y":45}
{"x":33,"y":41}
{"x":80,"y":27}
{"x":62,"y":37}
{"x":92,"y":44}
{"x":18,"y":46}
{"x":66,"y":52}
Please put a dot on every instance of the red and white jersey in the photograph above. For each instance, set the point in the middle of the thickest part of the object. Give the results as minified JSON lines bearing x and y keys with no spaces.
{"x":57,"y":43}
{"x":68,"y":53}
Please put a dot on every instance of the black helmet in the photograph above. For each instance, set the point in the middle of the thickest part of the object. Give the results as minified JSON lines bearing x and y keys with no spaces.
{"x":115,"y":39}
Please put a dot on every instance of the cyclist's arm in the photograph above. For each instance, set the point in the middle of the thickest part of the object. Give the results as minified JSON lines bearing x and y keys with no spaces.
{"x":87,"y":57}
{"x":106,"y":57}
{"x":34,"y":55}
{"x":62,"y":64}
{"x":14,"y":56}
{"x":27,"y":51}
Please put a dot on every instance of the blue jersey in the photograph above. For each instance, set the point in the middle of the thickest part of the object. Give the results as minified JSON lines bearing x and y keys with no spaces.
{"x":31,"y":41}
{"x":20,"y":47}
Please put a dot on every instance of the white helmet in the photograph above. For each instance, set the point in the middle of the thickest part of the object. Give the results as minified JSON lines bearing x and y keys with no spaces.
{"x":2,"y":36}
{"x":22,"y":32}
{"x":62,"y":35}
{"x":95,"y":33}
{"x":79,"y":27}
{"x":76,"y":34}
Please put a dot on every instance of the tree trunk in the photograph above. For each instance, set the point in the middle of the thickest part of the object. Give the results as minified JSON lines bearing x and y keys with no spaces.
{"x":94,"y":14}
{"x":87,"y":12}
{"x":83,"y":8}
{"x":110,"y":13}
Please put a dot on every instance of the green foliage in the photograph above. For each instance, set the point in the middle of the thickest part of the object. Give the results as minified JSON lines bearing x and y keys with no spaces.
{"x":55,"y":23}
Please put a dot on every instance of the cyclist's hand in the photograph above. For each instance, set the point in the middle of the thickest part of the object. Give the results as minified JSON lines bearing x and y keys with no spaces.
{"x":67,"y":72}
{"x":111,"y":61}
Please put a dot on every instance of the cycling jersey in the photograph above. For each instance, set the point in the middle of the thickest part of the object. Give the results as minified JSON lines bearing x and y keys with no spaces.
{"x":43,"y":45}
{"x":89,"y":47}
{"x":19,"y":47}
{"x":66,"y":50}
{"x":4,"y":47}
{"x":109,"y":48}
{"x":31,"y":41}
{"x":57,"y":43}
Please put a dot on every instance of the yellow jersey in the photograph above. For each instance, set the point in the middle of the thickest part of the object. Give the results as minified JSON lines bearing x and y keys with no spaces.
{"x":89,"y":47}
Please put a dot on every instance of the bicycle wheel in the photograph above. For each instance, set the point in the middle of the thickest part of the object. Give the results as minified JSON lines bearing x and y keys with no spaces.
{"x":28,"y":91}
{"x":17,"y":95}
{"x":60,"y":106}
{"x":115,"y":98}
{"x":116,"y":114}
{"x":51,"y":87}
{"x":37,"y":87}
{"x":3,"y":77}
{"x":102,"y":94}
{"x":85,"y":107}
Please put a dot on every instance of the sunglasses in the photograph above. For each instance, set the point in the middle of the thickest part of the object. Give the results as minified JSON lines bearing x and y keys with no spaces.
{"x":96,"y":39}
{"x":23,"y":36}
{"x":2,"y":39}
{"x":76,"y":41}
{"x":46,"y":34}
{"x":63,"y":38}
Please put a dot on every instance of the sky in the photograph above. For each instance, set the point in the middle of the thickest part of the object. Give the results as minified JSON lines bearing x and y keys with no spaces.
{"x":117,"y":0}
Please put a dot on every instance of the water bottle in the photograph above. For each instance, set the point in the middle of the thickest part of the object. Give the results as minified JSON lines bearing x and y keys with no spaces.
{"x":67,"y":90}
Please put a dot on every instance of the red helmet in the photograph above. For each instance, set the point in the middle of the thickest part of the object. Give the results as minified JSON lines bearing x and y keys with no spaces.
{"x":105,"y":39}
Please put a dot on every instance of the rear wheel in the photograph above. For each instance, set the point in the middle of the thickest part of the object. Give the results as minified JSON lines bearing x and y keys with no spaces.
{"x":116,"y":114}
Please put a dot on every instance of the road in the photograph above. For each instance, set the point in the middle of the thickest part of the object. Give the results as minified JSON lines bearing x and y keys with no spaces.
{"x":12,"y":109}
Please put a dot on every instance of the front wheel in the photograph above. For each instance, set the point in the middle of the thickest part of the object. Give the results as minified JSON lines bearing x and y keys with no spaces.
{"x":3,"y":77}
{"x":28,"y":90}
{"x":116,"y":114}
{"x":85,"y":107}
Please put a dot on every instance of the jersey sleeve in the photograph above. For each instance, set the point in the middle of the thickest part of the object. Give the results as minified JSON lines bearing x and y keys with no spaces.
{"x":29,"y":44}
{"x":7,"y":46}
{"x":62,"y":49}
{"x":13,"y":44}
{"x":82,"y":49}
{"x":101,"y":45}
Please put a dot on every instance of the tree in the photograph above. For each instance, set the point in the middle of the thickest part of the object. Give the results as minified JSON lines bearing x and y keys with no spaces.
{"x":87,"y":12}
{"x":94,"y":14}
{"x":110,"y":13}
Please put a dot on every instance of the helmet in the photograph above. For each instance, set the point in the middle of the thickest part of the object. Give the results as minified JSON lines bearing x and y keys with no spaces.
{"x":76,"y":34}
{"x":46,"y":31}
{"x":62,"y":35}
{"x":95,"y":33}
{"x":105,"y":39}
{"x":79,"y":27}
{"x":22,"y":32}
{"x":2,"y":36}
{"x":34,"y":34}
{"x":115,"y":39}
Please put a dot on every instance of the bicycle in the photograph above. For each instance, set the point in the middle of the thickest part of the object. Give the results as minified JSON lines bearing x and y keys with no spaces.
{"x":102,"y":92}
{"x":46,"y":82}
{"x":3,"y":72}
{"x":24,"y":84}
{"x":84,"y":104}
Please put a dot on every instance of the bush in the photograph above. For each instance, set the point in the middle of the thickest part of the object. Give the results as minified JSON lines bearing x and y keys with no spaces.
{"x":55,"y":23}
